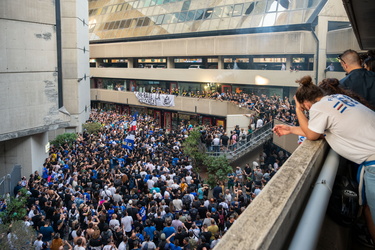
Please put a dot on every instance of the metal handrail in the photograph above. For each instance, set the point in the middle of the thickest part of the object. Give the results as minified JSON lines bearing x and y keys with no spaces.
{"x":308,"y":230}
{"x":251,"y":140}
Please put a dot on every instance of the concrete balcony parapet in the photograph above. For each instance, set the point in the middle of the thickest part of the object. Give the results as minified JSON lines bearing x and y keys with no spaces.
{"x":268,"y":222}
{"x":182,"y":104}
{"x":220,"y":76}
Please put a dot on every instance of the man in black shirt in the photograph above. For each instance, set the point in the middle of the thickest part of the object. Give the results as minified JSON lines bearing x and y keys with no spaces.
{"x":224,"y":140}
{"x":358,"y":79}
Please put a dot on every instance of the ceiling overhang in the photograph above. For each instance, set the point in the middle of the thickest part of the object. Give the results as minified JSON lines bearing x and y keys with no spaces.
{"x":361,"y":14}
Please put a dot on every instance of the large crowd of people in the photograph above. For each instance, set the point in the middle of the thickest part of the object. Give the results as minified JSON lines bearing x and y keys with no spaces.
{"x":100,"y":194}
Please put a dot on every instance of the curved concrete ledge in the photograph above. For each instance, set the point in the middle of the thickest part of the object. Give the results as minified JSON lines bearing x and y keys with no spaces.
{"x":182,"y":104}
{"x":269,"y":220}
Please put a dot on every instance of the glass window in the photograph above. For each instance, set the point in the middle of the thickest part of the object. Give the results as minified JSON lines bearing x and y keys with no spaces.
{"x":104,"y":10}
{"x":237,"y":11}
{"x":101,"y":27}
{"x":159,"y":20}
{"x":117,"y":24}
{"x":295,"y":17}
{"x":312,"y":3}
{"x":271,"y":6}
{"x":141,"y":4}
{"x":114,"y":9}
{"x":212,"y":60}
{"x":260,"y":7}
{"x":106,"y":26}
{"x":227,"y":11}
{"x":190,"y":16}
{"x":127,"y":6}
{"x":135,"y":4}
{"x":269,"y":60}
{"x":186,"y":5}
{"x":166,"y":1}
{"x":140,"y":21}
{"x":133,"y":22}
{"x":284,"y":4}
{"x":159,"y":2}
{"x":269,"y":19}
{"x":119,"y":6}
{"x":174,"y":18}
{"x":300,"y":4}
{"x":147,"y":3}
{"x":182,"y":17}
{"x":128,"y":22}
{"x":153,"y":2}
{"x":153,"y":18}
{"x":217,"y":12}
{"x":146,"y":21}
{"x":111,"y":25}
{"x":282,"y":18}
{"x":208,"y":13}
{"x":92,"y":27}
{"x":199,"y":14}
{"x":122,"y":24}
{"x":298,"y":60}
{"x":167,"y":18}
{"x":248,"y":8}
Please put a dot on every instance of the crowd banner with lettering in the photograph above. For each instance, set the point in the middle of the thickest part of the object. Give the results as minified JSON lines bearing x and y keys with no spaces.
{"x":155,"y":99}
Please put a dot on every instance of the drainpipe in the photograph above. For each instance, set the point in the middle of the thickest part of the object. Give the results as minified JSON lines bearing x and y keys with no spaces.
{"x":308,"y":230}
{"x":317,"y":55}
{"x":59,"y":54}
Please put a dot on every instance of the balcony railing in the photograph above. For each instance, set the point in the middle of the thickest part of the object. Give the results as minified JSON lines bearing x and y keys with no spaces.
{"x":244,"y":146}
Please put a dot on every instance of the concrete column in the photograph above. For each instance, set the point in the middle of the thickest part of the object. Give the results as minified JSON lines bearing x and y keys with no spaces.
{"x":131,"y":62}
{"x":288,"y":63}
{"x":321,"y":58}
{"x":220,"y":63}
{"x":170,"y":63}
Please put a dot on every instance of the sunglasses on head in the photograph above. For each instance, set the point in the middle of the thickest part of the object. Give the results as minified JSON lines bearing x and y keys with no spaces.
{"x":340,"y":58}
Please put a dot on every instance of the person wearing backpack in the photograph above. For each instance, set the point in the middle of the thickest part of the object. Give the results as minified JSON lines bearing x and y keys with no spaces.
{"x":186,"y":200}
{"x":148,"y":244}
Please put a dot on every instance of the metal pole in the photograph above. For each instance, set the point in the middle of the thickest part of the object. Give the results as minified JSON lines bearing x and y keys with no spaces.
{"x":311,"y":222}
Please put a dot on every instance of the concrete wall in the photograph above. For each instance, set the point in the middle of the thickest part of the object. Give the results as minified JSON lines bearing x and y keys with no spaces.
{"x":347,"y":41}
{"x":288,"y":142}
{"x":28,"y":100}
{"x":251,"y":77}
{"x":269,"y":220}
{"x":297,"y":42}
{"x":27,"y":151}
{"x":75,"y":49}
{"x":29,"y":80}
{"x":241,"y":120}
{"x":184,"y":104}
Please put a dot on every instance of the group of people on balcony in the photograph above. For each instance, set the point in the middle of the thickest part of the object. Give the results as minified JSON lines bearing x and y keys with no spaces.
{"x":342,"y":112}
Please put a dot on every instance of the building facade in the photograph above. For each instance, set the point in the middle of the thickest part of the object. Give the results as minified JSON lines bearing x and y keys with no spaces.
{"x":193,"y":46}
{"x":44,"y":77}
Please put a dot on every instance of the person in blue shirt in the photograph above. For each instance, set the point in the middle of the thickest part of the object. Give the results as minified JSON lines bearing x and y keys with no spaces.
{"x":169,"y":230}
{"x":170,"y":245}
{"x":149,"y":229}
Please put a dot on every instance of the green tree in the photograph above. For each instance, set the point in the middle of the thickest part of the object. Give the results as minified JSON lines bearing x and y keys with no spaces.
{"x":218,"y":169}
{"x":92,"y":127}
{"x":66,"y":138}
{"x":14,"y":234}
{"x":15,"y":208}
{"x":195,"y":149}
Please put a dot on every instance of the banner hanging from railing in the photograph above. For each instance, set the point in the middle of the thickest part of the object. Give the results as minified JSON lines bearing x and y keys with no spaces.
{"x":155,"y":99}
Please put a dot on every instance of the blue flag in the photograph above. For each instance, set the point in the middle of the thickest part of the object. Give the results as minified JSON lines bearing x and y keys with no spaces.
{"x":129,"y":142}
